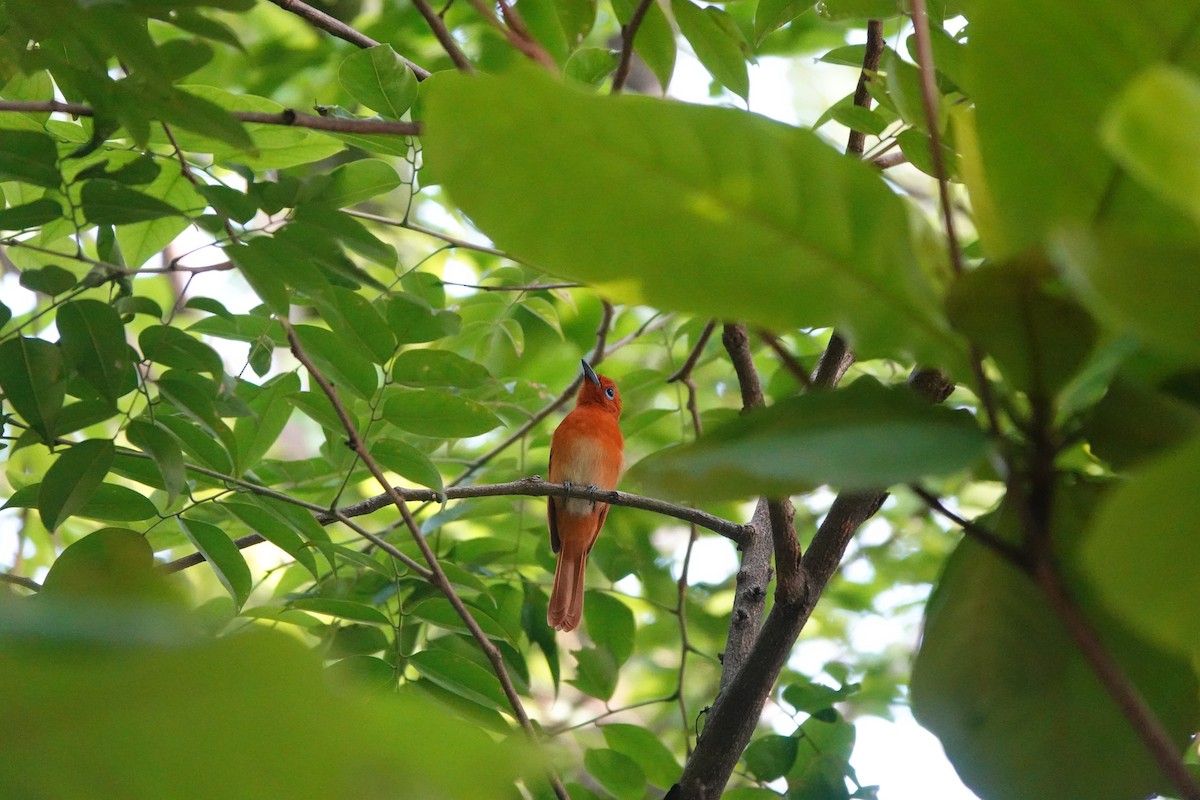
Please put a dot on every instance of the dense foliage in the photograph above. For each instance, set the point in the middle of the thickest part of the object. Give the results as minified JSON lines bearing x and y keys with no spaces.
{"x":293,"y":297}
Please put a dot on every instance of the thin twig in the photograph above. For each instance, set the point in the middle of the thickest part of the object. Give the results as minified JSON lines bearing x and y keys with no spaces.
{"x":628,"y":34}
{"x":789,"y":361}
{"x":689,"y":363}
{"x":438,"y":26}
{"x":445,"y":237}
{"x":341,"y":30}
{"x":287,"y":117}
{"x":531,"y":287}
{"x":862,"y":95}
{"x":20,"y":580}
{"x":536,"y":487}
{"x":1006,"y":550}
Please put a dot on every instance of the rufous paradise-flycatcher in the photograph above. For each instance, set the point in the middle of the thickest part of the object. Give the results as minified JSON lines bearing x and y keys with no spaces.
{"x":585,"y":451}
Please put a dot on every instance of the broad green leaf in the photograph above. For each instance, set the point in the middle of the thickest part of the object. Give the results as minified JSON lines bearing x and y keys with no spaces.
{"x":351,"y":184}
{"x":822,"y":760}
{"x":904,"y":90}
{"x":1138,"y":281}
{"x":655,"y":40}
{"x":861,"y":437}
{"x":333,"y":225}
{"x":30,"y":215}
{"x":378,"y":78}
{"x":111,"y":203}
{"x":1140,"y":130}
{"x":220,"y":551}
{"x":431,"y":367}
{"x":717,"y":42}
{"x":172,"y":347}
{"x":850,"y":55}
{"x":33,"y":377}
{"x":771,"y":15}
{"x":694,"y":192}
{"x":29,"y":156}
{"x":591,"y":65}
{"x":1022,"y":81}
{"x":859,"y":9}
{"x":610,"y":624}
{"x":412,"y":320}
{"x":595,"y":672}
{"x":460,"y":676}
{"x":262,"y":272}
{"x":358,"y":320}
{"x":616,"y":772}
{"x":406,"y":461}
{"x":164,"y":450}
{"x":272,"y":410}
{"x":646,"y":749}
{"x":544,"y":24}
{"x":198,"y":443}
{"x":339,"y":360}
{"x":93,"y":340}
{"x":1142,"y":550}
{"x":157,"y":696}
{"x":1002,"y":684}
{"x":438,"y":611}
{"x":72,"y":480}
{"x":771,"y":757}
{"x":433,"y":412}
{"x":1134,"y":421}
{"x":228,"y":202}
{"x":51,"y":280}
{"x":268,"y":526}
{"x":1039,"y":338}
{"x":140,"y":241}
{"x":345,"y":609}
{"x":298,"y":519}
{"x":112,"y":502}
{"x":111,"y":563}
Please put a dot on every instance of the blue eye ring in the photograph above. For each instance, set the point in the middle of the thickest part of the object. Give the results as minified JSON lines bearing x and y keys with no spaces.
{"x":609,"y":391}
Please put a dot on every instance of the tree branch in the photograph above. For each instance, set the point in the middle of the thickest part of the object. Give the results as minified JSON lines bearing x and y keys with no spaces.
{"x":438,"y":26}
{"x":341,"y":30}
{"x":862,"y":96}
{"x":287,"y":117}
{"x":789,"y":361}
{"x":20,"y":580}
{"x":628,"y":34}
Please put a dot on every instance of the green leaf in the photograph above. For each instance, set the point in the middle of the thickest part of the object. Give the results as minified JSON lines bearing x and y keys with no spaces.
{"x":717,"y":42}
{"x":432,"y":412}
{"x":595,"y":672}
{"x":1145,"y":579}
{"x":771,"y":15}
{"x":110,"y":203}
{"x":1005,"y":688}
{"x":788,"y":210}
{"x":1039,"y":339}
{"x":345,"y":609}
{"x":112,"y":564}
{"x":1136,"y":281}
{"x":1021,"y":82}
{"x":34,"y":381}
{"x":859,"y":9}
{"x":610,"y":624}
{"x":72,"y":480}
{"x":591,"y":65}
{"x":406,"y":461}
{"x":268,"y":526}
{"x":198,"y":443}
{"x":646,"y":749}
{"x":50,"y":279}
{"x":460,"y":676}
{"x":378,"y":78}
{"x":771,"y":757}
{"x":171,"y":347}
{"x":412,"y":320}
{"x":438,"y":611}
{"x":822,"y":760}
{"x":336,"y":226}
{"x":29,"y":156}
{"x":904,"y":90}
{"x":260,"y":269}
{"x":339,"y":360}
{"x":140,"y":241}
{"x":165,"y":452}
{"x":616,"y":772}
{"x":861,"y":437}
{"x":438,"y":368}
{"x":93,"y":340}
{"x":220,"y":551}
{"x":272,"y":409}
{"x":30,"y":215}
{"x":1141,"y":128}
{"x":1133,"y":422}
{"x":351,"y":184}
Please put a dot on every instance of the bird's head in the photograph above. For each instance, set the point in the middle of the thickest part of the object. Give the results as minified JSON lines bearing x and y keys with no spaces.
{"x":598,"y":390}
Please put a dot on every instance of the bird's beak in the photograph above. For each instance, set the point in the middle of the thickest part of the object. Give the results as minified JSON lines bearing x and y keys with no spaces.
{"x":589,"y":373}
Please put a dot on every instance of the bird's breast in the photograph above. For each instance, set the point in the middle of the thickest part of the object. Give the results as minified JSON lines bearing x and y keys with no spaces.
{"x":585,"y":457}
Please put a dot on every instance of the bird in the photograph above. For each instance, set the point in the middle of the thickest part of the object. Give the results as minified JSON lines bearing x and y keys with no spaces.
{"x":586,"y":450}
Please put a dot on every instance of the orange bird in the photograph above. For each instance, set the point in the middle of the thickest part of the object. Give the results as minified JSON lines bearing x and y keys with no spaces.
{"x":586,"y":450}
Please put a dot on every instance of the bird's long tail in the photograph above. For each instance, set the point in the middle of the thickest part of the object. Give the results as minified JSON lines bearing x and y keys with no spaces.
{"x":566,"y":599}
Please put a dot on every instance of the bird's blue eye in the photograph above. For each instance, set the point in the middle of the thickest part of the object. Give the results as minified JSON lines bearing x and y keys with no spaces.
{"x":609,"y":392}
